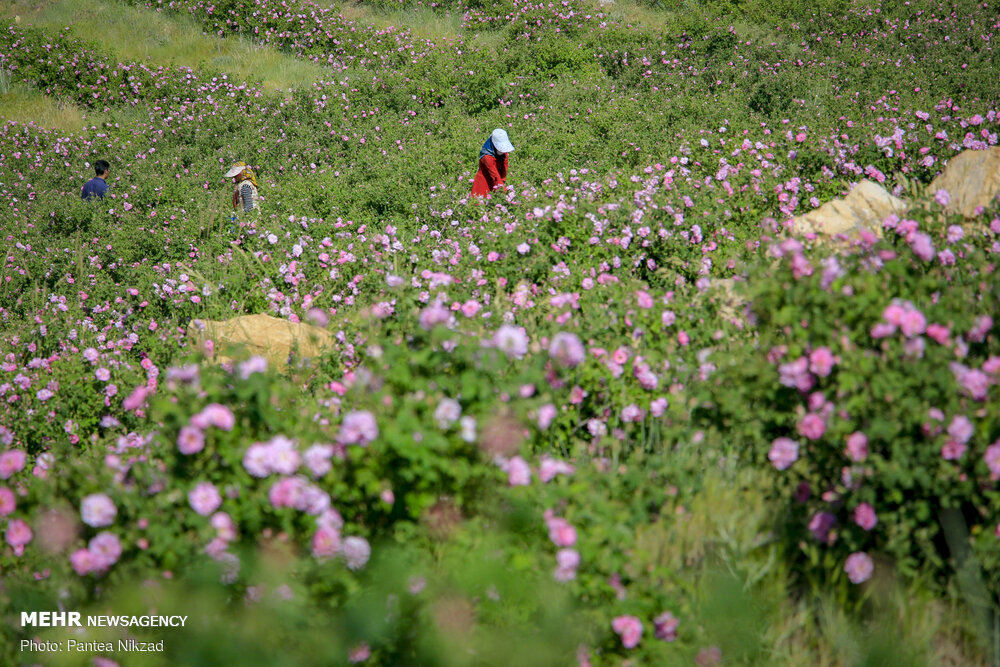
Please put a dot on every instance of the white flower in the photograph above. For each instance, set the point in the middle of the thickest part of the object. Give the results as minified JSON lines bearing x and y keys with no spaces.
{"x":447,"y":413}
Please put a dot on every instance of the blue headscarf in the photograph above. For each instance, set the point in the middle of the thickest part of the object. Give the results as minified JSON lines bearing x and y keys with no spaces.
{"x":488,"y":148}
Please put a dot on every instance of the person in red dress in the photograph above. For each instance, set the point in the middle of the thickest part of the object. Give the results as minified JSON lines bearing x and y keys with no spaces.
{"x":492,"y":164}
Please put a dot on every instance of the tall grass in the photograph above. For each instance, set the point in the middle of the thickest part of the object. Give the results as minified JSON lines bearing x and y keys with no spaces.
{"x":25,"y":104}
{"x":749,"y":605}
{"x":135,"y":33}
{"x":422,"y":22}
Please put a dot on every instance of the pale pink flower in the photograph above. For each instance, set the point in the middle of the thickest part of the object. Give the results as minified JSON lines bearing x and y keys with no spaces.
{"x":859,"y":567}
{"x":135,"y":400}
{"x":358,"y":428}
{"x":470,"y":308}
{"x":784,"y":452}
{"x":922,"y":246}
{"x":546,"y":414}
{"x":98,"y":510}
{"x":644,"y":300}
{"x":549,"y":468}
{"x":190,"y":440}
{"x":979,"y":330}
{"x":204,"y":498}
{"x":215,"y":415}
{"x":255,"y":364}
{"x":359,"y":653}
{"x":961,"y":429}
{"x":8,"y":501}
{"x":317,"y":459}
{"x":914,"y":323}
{"x":567,"y":561}
{"x":356,"y":552}
{"x":511,"y":340}
{"x":106,"y":548}
{"x":658,"y":407}
{"x":282,"y":455}
{"x":632,"y":413}
{"x":561,"y":532}
{"x":83,"y":561}
{"x":12,"y":461}
{"x":567,"y":349}
{"x":992,"y":458}
{"x":433,"y":315}
{"x":518,"y":472}
{"x":18,"y":535}
{"x":224,"y":526}
{"x":821,"y":361}
{"x":448,"y":412}
{"x":325,"y":542}
{"x":256,"y":460}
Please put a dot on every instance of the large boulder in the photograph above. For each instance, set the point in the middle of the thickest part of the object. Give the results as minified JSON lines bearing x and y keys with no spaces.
{"x":279,"y":341}
{"x":972,"y":179}
{"x":865,"y":207}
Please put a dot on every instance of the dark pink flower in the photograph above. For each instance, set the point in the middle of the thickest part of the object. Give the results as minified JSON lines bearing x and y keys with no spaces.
{"x":864,"y":516}
{"x":812,"y":426}
{"x":821,"y":361}
{"x":665,"y":626}
{"x":629,"y":628}
{"x":857,"y":446}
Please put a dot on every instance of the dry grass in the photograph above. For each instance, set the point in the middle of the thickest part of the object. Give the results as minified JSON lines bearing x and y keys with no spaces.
{"x":144,"y":35}
{"x":25,"y":104}
{"x":422,"y":22}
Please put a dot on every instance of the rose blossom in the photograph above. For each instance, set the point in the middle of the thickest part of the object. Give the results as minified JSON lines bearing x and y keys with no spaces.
{"x":8,"y":501}
{"x":784,"y":452}
{"x":857,"y":446}
{"x":629,"y":628}
{"x":204,"y":498}
{"x":561,"y":532}
{"x":511,"y":340}
{"x":356,"y":551}
{"x":665,"y":626}
{"x":98,"y":510}
{"x":12,"y":461}
{"x":567,"y":560}
{"x":358,"y":428}
{"x":518,"y":472}
{"x":859,"y":567}
{"x":864,"y":516}
{"x":812,"y":426}
{"x":567,"y":349}
{"x":190,"y":440}
{"x":325,"y":542}
{"x":821,"y":361}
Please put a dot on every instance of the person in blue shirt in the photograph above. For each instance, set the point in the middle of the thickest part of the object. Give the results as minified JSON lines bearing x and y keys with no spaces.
{"x":97,"y":186}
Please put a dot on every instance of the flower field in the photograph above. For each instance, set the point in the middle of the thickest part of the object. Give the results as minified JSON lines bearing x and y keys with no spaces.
{"x":619,"y":413}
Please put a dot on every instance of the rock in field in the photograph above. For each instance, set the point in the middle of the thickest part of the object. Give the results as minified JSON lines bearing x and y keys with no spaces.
{"x":972,"y":179}
{"x":865,"y":207}
{"x":279,"y":341}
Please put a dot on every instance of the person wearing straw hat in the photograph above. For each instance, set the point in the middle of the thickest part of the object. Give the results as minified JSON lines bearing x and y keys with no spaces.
{"x":245,"y":193}
{"x":492,"y":172}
